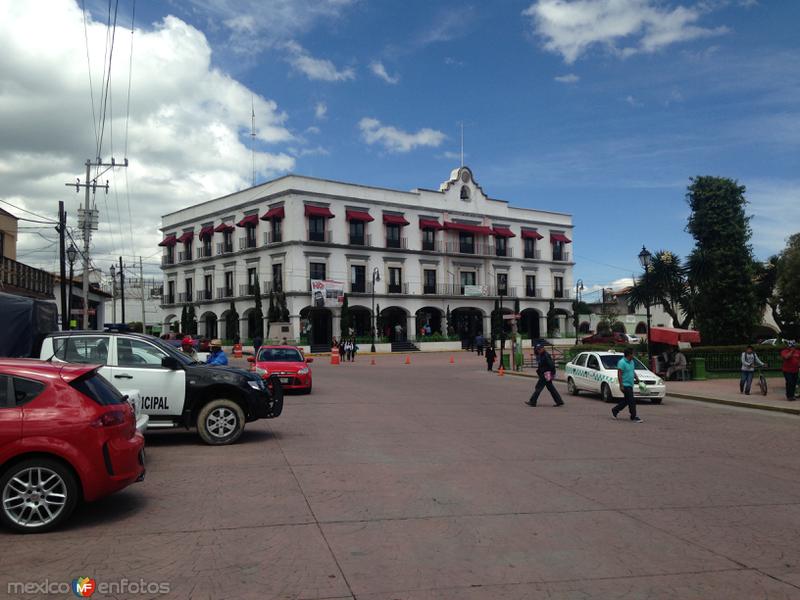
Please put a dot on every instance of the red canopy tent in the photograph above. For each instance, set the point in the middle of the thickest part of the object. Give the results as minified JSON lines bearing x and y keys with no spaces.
{"x":671,"y":335}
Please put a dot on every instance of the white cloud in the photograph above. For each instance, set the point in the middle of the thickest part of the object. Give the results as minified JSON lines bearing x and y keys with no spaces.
{"x":313,"y":129}
{"x":319,"y":69}
{"x":633,"y":101}
{"x":569,"y":78}
{"x":625,"y":27}
{"x":397,"y":140}
{"x":379,"y":71}
{"x":320,"y":110}
{"x":775,"y":206}
{"x":451,"y":155}
{"x":185,"y":141}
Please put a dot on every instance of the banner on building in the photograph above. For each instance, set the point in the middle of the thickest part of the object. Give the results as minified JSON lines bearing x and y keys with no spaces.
{"x":475,"y":290}
{"x":326,"y":293}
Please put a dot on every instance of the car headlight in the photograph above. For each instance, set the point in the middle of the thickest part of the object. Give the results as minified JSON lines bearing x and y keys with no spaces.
{"x":260,"y":371}
{"x":659,"y":382}
{"x":256,"y":384}
{"x":303,"y":371}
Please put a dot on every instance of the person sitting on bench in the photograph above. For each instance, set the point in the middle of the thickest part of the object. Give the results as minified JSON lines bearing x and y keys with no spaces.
{"x":678,"y":364}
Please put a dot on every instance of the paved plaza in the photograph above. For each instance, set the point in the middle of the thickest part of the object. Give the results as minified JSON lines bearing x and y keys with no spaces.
{"x":433,"y":481}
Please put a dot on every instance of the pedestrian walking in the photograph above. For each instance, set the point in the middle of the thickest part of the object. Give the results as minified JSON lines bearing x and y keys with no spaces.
{"x":626,"y":372}
{"x":750,"y":361}
{"x":546,"y":370}
{"x":480,"y":341}
{"x":348,"y":350}
{"x":355,"y":349}
{"x":791,"y":366}
{"x":342,"y":349}
{"x":257,"y":341}
{"x":491,"y":355}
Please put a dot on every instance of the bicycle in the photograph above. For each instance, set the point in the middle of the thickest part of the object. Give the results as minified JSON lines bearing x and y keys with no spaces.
{"x":762,"y":382}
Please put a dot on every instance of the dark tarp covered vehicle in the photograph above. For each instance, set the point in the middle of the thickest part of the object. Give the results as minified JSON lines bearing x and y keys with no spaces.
{"x":24,"y":323}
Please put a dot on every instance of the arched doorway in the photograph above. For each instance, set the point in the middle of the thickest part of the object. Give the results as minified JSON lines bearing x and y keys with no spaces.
{"x":169,"y":324}
{"x":530,"y":323}
{"x":361,"y":320}
{"x":316,"y":328}
{"x":250,"y":317}
{"x":584,"y":327}
{"x":641,"y":328}
{"x":209,"y":322}
{"x":618,"y":327}
{"x":430,"y":318}
{"x":467,"y":322}
{"x":391,"y":317}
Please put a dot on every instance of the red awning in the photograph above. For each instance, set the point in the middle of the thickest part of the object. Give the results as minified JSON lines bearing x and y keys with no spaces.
{"x":531,"y":234}
{"x":186,"y":237}
{"x":170,"y":240}
{"x":206,"y":232}
{"x":358,"y":215}
{"x":560,"y":237}
{"x":276,"y":212}
{"x":503,"y":232}
{"x":670,"y":335}
{"x":478,"y":229}
{"x":395,"y":220}
{"x":224,"y":228}
{"x":430,"y":224}
{"x":248,"y":221}
{"x":318,"y":211}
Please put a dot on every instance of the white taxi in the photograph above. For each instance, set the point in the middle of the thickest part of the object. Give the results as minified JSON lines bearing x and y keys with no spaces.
{"x":597,"y":372}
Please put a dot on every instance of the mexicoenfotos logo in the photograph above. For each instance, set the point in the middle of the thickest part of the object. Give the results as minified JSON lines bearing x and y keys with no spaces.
{"x":84,"y":587}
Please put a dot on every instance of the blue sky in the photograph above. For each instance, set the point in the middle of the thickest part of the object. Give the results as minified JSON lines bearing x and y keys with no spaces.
{"x":602,"y":109}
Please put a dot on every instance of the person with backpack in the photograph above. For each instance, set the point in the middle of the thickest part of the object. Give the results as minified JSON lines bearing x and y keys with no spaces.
{"x":546,"y":370}
{"x":750,"y":361}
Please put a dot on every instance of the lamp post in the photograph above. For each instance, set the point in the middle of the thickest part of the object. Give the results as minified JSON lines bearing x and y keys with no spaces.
{"x":376,"y":276}
{"x":72,"y":255}
{"x":578,"y":290}
{"x":645,"y":259}
{"x":502,"y":327}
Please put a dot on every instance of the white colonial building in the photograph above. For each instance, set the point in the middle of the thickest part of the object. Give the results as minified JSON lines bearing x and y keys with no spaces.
{"x":453,"y":249}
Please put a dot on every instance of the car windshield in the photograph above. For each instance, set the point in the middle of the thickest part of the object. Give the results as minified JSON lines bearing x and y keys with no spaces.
{"x":610,"y":362}
{"x":279,"y":355}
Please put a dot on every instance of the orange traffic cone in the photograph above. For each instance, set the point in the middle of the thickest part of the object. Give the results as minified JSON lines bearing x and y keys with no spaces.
{"x":408,"y":359}
{"x":452,"y":360}
{"x":501,"y":371}
{"x":334,"y":358}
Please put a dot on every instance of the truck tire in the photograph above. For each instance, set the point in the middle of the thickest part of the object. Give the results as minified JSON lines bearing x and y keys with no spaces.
{"x":220,"y":422}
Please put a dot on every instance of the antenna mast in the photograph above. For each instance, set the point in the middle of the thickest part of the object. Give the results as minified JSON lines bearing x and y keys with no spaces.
{"x":253,"y":137}
{"x":462,"y":142}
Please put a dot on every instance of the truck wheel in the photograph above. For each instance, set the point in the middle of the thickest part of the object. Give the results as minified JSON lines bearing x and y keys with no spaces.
{"x":37,"y":495}
{"x":572,"y":388}
{"x":605,"y":393}
{"x":220,"y":422}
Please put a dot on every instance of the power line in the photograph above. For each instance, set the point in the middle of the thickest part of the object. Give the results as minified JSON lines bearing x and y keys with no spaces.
{"x":107,"y":75}
{"x":44,"y":219}
{"x":89,"y":67}
{"x":127,"y":119}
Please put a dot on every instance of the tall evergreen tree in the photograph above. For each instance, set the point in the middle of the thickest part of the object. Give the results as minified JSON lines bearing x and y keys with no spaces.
{"x":721,"y":265}
{"x":191,"y":320}
{"x":552,"y":319}
{"x":184,"y":326}
{"x":232,"y":322}
{"x":271,"y":315}
{"x":258,"y":312}
{"x":786,"y":308}
{"x":284,"y":308}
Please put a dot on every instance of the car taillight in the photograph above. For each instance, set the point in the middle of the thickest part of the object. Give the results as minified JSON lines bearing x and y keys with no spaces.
{"x":110,"y":419}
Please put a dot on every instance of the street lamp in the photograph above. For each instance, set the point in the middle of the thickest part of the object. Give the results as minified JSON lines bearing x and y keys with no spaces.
{"x":376,"y":276}
{"x":645,"y":259}
{"x":72,"y":255}
{"x":578,"y":289}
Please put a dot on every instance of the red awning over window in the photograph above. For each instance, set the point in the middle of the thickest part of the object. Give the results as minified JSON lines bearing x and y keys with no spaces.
{"x":224,"y":228}
{"x":560,"y":237}
{"x":318,"y":211}
{"x":477,"y":229}
{"x":248,"y":221}
{"x":503,"y":232}
{"x":186,"y":237}
{"x":358,"y":215}
{"x":206,"y":232}
{"x":395,"y":220}
{"x":170,"y":240}
{"x":531,"y":234}
{"x":430,"y":224}
{"x":276,"y":212}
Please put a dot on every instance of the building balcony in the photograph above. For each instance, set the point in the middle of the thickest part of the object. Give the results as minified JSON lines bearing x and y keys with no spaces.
{"x":433,"y":246}
{"x":362,"y":240}
{"x":184,"y":256}
{"x":507,"y":252}
{"x":272,"y":237}
{"x":460,"y":247}
{"x":561,"y":294}
{"x":184,"y":297}
{"x":248,"y":289}
{"x":267,"y":286}
{"x":224,"y":293}
{"x":204,"y":251}
{"x":455,"y":289}
{"x":205,"y":295}
{"x":398,"y":243}
{"x":246,"y":243}
{"x":22,"y":279}
{"x":397,"y":288}
{"x":167,"y":260}
{"x":533,"y":292}
{"x":535,"y":254}
{"x":360,"y":287}
{"x":561,"y":256}
{"x":325,"y":237}
{"x":223,"y":248}
{"x":169,"y":299}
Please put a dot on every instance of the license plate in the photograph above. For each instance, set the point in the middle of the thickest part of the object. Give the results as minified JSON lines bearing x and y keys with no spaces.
{"x":285,"y":380}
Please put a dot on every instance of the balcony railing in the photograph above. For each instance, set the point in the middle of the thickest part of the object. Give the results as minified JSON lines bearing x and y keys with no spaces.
{"x":397,"y":288}
{"x":460,"y":247}
{"x":455,"y":289}
{"x":560,"y":293}
{"x":169,"y":299}
{"x":320,"y":236}
{"x":204,"y":251}
{"x":429,"y":288}
{"x":268,"y":286}
{"x":205,"y":295}
{"x":246,"y":243}
{"x":25,"y":278}
{"x":223,"y":248}
{"x":507,"y":251}
{"x":361,"y":240}
{"x":184,"y":297}
{"x":397,"y":243}
{"x":224,"y":292}
{"x":184,"y":256}
{"x":533,"y":292}
{"x":561,"y":256}
{"x":167,"y":260}
{"x":360,"y":287}
{"x":247,"y":289}
{"x":433,"y":246}
{"x":537,"y":254}
{"x":272,"y":237}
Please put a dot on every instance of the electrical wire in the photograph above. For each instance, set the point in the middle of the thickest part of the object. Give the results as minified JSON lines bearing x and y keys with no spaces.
{"x":89,"y":68}
{"x":44,"y":219}
{"x":127,"y":120}
{"x":108,"y":74}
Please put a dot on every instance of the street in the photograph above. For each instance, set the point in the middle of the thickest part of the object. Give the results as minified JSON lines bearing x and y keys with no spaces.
{"x":433,"y":481}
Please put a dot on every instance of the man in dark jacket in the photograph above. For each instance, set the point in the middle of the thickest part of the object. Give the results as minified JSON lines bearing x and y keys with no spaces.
{"x":546,"y":370}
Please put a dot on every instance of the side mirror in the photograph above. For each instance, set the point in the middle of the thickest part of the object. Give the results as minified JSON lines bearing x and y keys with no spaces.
{"x":309,"y":360}
{"x":251,"y":359}
{"x":170,"y":362}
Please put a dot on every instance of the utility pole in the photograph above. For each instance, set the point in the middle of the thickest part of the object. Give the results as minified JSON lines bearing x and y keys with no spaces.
{"x":122,"y":288}
{"x":113,"y":271}
{"x":141,"y":280}
{"x":88,"y":220}
{"x":62,"y":223}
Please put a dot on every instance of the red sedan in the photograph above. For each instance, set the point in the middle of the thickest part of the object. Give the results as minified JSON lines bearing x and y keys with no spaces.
{"x":65,"y":434}
{"x":287,"y":363}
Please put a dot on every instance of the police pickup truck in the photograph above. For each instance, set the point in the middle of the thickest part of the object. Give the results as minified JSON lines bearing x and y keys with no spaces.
{"x":174,"y":390}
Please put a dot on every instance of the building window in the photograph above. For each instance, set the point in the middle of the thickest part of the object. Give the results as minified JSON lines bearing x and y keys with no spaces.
{"x":227,"y":241}
{"x":467,"y":278}
{"x":170,"y":255}
{"x":187,"y":251}
{"x":428,"y":239}
{"x":208,"y":286}
{"x":316,"y":229}
{"x":170,"y":292}
{"x":207,"y":246}
{"x":530,"y":286}
{"x":250,"y":237}
{"x":502,"y":284}
{"x":392,"y":236}
{"x":252,"y":277}
{"x":530,"y":248}
{"x":395,"y":280}
{"x":357,"y":233}
{"x":500,"y":246}
{"x":188,"y":287}
{"x":429,"y":281}
{"x":464,"y":192}
{"x":277,"y":277}
{"x":558,"y":287}
{"x":317,"y":270}
{"x":358,"y":278}
{"x":466,"y":243}
{"x":558,"y":250}
{"x":228,"y":284}
{"x":277,"y":230}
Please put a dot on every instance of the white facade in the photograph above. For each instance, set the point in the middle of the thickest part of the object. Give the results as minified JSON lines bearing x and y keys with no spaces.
{"x":422,"y":271}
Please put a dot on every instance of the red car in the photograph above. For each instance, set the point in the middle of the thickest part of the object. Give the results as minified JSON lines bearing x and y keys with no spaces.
{"x":66,"y":434}
{"x":285,"y":362}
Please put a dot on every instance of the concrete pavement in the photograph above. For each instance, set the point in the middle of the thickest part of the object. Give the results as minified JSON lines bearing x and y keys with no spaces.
{"x":433,"y":481}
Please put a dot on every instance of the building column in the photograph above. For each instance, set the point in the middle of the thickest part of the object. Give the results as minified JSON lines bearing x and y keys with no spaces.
{"x":294,"y":327}
{"x":543,"y":326}
{"x":411,"y":327}
{"x":487,"y":326}
{"x":336,"y":326}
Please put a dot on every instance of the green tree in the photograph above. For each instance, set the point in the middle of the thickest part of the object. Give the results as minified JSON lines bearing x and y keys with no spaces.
{"x":258,"y":312}
{"x":191,"y":320}
{"x":667,"y":283}
{"x":272,"y":316}
{"x":184,"y":324}
{"x":579,"y":308}
{"x":721,"y":265}
{"x":785,"y":304}
{"x":232,"y":322}
{"x":346,"y":318}
{"x":497,"y":320}
{"x":552,"y":319}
